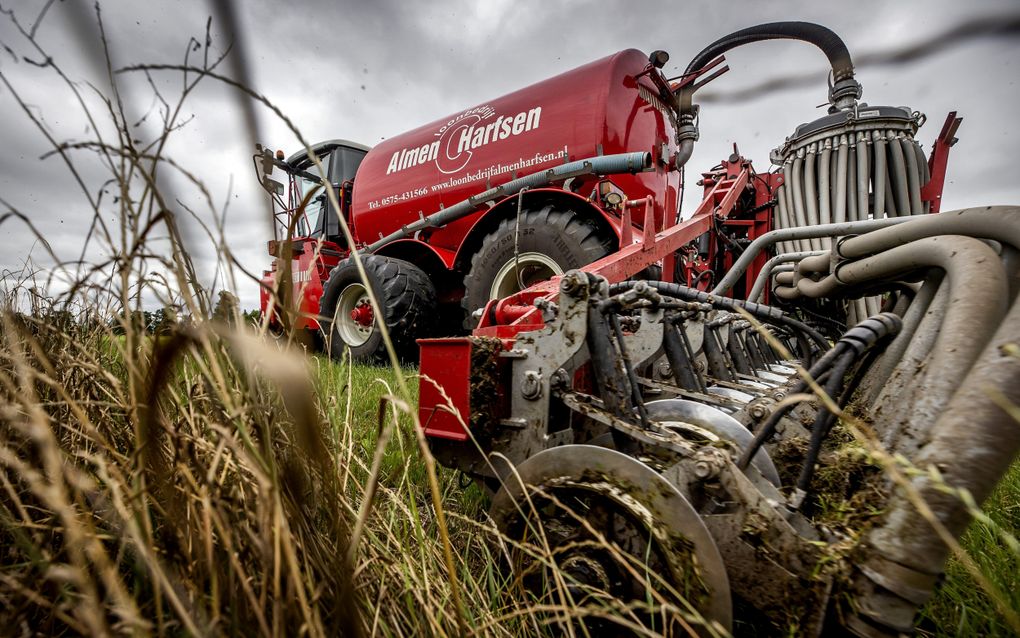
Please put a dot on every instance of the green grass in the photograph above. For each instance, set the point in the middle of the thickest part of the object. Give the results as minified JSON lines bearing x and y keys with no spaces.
{"x":960,"y":607}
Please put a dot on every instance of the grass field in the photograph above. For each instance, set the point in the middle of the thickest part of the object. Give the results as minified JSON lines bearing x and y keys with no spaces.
{"x":289,"y":494}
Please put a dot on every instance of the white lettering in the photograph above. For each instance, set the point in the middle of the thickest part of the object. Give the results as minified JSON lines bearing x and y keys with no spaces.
{"x":472,"y":135}
{"x":478,"y":138}
{"x":533,"y":116}
{"x":465,"y":139}
{"x":519,"y":123}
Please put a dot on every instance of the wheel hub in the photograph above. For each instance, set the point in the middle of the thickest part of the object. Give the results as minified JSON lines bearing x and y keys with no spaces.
{"x":362,"y":314}
{"x":586,"y":571}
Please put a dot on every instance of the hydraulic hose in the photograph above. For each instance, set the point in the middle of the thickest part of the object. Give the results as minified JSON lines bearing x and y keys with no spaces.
{"x":845,"y":90}
{"x":972,"y":443}
{"x":766,"y":313}
{"x":857,"y":341}
{"x":769,"y":427}
{"x":821,"y":426}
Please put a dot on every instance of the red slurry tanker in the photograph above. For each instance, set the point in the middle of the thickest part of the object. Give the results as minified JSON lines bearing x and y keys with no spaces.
{"x":432,"y":276}
{"x":629,"y":377}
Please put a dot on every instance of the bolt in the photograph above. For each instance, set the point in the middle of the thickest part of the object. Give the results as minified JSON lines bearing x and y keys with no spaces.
{"x":708,"y":463}
{"x":571,"y":283}
{"x":757,"y":412}
{"x":560,"y":379}
{"x":531,"y":385}
{"x":703,"y":469}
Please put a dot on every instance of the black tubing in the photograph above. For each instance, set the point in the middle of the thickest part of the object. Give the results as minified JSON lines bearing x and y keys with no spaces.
{"x":825,"y":39}
{"x":823,"y":422}
{"x":770,"y":314}
{"x":768,"y":428}
{"x":855,"y":342}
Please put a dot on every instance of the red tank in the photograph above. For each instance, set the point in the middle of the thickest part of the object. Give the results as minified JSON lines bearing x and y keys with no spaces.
{"x":596,"y":109}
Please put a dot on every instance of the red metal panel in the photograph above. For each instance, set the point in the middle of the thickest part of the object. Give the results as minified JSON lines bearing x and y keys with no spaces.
{"x":444,"y":395}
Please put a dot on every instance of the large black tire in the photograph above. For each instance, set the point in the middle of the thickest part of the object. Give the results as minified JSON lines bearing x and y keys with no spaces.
{"x":553,"y":235}
{"x":404,"y":291}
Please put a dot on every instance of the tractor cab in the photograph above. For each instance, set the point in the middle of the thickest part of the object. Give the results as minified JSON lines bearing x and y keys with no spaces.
{"x":308,"y":241}
{"x":300,"y":204}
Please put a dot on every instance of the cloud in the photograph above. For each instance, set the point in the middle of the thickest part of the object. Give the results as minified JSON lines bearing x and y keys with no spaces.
{"x":371,"y":70}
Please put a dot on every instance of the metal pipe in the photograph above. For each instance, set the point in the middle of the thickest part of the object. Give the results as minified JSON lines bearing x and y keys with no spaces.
{"x":770,"y":238}
{"x":602,"y":165}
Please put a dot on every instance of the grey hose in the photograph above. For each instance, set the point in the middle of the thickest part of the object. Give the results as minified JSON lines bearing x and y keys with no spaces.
{"x":1001,"y":223}
{"x":897,"y":175}
{"x":811,"y":194}
{"x":862,"y":178}
{"x":973,"y":442}
{"x":797,"y":193}
{"x":768,"y":239}
{"x":842,"y":157}
{"x":913,"y":176}
{"x":851,"y":183}
{"x":825,"y":186}
{"x":766,"y":271}
{"x":878,"y":152}
{"x":967,"y":263}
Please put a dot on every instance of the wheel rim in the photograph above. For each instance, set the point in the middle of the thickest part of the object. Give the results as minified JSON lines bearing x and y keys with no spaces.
{"x":533,"y":268}
{"x":354,"y":321}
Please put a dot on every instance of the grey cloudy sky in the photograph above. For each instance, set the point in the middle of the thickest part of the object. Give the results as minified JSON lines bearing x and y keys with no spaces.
{"x":369,"y":70}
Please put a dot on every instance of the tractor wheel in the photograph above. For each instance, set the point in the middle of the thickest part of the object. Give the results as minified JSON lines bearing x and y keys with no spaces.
{"x":549,"y":242}
{"x":405,"y":293}
{"x":597,"y":529}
